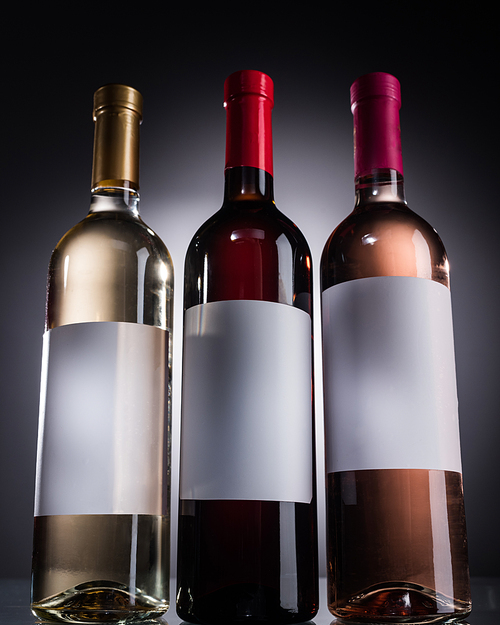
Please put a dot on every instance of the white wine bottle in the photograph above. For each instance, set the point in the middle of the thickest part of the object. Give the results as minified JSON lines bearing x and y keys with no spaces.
{"x":397,"y":546}
{"x":102,"y":500}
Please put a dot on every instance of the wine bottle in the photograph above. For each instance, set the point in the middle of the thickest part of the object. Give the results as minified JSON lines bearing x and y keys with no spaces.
{"x":247,"y":545}
{"x":102,"y":499}
{"x":396,"y":536}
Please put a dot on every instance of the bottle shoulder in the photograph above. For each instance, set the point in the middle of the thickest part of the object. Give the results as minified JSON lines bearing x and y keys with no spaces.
{"x":110,"y":267}
{"x":127,"y":233}
{"x":248,"y":250}
{"x":386,"y":239}
{"x":247,"y":222}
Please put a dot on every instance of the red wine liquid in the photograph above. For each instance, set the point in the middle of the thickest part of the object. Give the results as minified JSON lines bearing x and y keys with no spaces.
{"x":230,"y":567}
{"x":231,"y":554}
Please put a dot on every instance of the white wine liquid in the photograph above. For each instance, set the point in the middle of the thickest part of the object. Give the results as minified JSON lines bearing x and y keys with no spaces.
{"x":100,"y":567}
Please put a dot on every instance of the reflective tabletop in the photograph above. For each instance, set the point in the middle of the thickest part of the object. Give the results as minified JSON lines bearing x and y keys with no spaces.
{"x":15,"y":610}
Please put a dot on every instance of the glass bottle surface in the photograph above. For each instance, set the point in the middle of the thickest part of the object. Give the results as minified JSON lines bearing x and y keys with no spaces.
{"x":247,"y":546}
{"x":248,"y":559}
{"x":109,"y":268}
{"x":102,"y":504}
{"x":396,"y":538}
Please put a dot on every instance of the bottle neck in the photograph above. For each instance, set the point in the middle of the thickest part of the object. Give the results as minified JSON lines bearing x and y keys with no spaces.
{"x":378,"y":162}
{"x":248,"y":173}
{"x":116,"y":148}
{"x":377,"y":136}
{"x":115,"y":200}
{"x":115,"y":171}
{"x":249,"y":132}
{"x":248,"y":183}
{"x":381,"y":185}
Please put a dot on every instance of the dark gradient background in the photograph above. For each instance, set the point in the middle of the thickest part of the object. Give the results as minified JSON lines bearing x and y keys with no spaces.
{"x":178,"y":58}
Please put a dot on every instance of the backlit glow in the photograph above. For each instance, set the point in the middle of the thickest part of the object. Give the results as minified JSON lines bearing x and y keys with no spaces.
{"x":66,"y":269}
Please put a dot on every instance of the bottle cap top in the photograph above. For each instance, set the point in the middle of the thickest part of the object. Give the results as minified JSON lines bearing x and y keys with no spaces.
{"x":117,"y":95}
{"x":248,"y":81}
{"x":373,"y":85}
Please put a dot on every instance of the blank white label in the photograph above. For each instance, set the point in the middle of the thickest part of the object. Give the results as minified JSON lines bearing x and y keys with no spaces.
{"x":101,"y":429}
{"x":246,"y":402}
{"x":389,"y":375}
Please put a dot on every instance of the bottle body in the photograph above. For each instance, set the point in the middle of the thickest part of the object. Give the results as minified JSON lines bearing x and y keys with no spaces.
{"x":241,"y":557}
{"x":396,"y":537}
{"x":247,"y":521}
{"x":102,"y":501}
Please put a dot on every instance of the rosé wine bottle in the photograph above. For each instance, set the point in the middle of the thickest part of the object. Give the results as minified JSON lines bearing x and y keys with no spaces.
{"x":247,"y":546}
{"x":396,"y":537}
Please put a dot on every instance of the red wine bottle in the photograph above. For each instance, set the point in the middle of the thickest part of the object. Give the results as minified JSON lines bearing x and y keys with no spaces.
{"x":396,"y":537}
{"x":247,"y":521}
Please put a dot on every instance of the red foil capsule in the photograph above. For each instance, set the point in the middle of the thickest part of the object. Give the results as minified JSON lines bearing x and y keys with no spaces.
{"x":248,"y":100}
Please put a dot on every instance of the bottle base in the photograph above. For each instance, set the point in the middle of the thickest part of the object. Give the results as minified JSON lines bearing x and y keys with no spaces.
{"x":242,"y":603}
{"x":99,"y":602}
{"x":400,"y":603}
